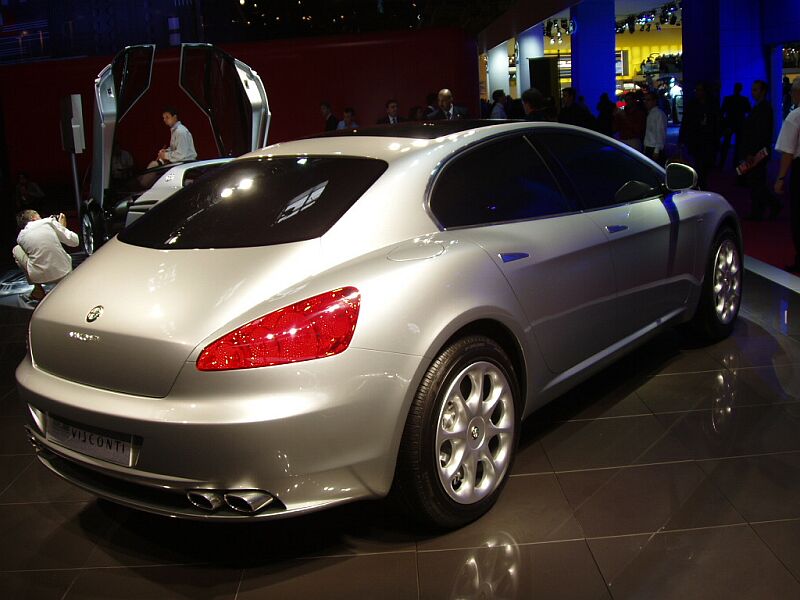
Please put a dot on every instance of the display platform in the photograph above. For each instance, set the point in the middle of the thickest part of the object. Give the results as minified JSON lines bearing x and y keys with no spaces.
{"x":673,"y":474}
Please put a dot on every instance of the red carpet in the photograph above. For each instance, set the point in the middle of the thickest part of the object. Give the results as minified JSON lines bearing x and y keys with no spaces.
{"x":770,"y":240}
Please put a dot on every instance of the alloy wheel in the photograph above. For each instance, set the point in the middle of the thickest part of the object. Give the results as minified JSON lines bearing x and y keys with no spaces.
{"x":727,"y":282}
{"x":475,"y":432}
{"x":88,"y":235}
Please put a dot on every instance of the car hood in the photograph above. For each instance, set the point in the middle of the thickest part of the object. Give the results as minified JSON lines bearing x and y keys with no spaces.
{"x":156,"y":307}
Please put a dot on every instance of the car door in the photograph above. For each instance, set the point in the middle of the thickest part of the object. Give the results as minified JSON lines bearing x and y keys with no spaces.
{"x":651,"y":243}
{"x":230,"y":94}
{"x":555,"y":258}
{"x":116,"y":89}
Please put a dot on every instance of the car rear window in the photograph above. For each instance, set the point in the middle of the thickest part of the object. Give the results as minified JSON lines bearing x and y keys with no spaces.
{"x":257,"y":202}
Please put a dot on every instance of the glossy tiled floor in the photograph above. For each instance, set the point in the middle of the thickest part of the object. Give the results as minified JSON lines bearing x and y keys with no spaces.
{"x":674,"y":474}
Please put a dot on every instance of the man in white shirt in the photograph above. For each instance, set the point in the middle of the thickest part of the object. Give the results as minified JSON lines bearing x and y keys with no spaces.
{"x":181,"y":144}
{"x":39,"y":252}
{"x":655,"y":134}
{"x":788,"y":145}
{"x":498,"y":105}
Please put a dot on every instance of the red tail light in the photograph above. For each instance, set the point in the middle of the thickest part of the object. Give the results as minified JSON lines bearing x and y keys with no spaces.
{"x":313,"y":328}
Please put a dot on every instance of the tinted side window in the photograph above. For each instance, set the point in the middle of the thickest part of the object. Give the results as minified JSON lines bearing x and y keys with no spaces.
{"x":500,"y":181}
{"x":257,"y":202}
{"x":602,"y":174}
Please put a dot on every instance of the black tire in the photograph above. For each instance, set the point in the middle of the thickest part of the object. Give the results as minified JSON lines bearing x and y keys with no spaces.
{"x":92,"y":228}
{"x":417,"y":486}
{"x":707,"y":324}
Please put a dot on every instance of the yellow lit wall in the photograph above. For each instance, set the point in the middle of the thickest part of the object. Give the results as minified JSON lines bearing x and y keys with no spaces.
{"x":639,"y":45}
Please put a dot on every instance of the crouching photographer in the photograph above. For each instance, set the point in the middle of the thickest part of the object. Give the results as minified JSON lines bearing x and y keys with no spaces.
{"x":39,"y":251}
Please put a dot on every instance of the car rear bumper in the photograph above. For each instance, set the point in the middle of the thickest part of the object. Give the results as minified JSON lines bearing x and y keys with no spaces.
{"x":310,"y":434}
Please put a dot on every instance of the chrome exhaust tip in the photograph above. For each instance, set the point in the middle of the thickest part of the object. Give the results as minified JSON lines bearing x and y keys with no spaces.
{"x":32,"y":439}
{"x":248,"y":501}
{"x":207,"y":500}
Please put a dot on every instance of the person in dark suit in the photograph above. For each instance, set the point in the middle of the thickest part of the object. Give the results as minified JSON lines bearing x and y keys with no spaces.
{"x":330,"y":119}
{"x":757,"y":131}
{"x":733,"y":113}
{"x":447,"y":110}
{"x":392,"y":114}
{"x":574,"y":112}
{"x":534,"y":105}
{"x":699,"y":132}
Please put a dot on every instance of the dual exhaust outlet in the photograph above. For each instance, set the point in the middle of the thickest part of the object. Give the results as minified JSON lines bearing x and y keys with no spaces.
{"x":248,"y":502}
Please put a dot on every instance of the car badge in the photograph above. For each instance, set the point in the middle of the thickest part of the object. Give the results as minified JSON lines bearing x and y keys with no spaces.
{"x":94,"y":314}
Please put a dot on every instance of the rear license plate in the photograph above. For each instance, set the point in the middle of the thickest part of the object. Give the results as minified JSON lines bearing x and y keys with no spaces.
{"x":105,"y":445}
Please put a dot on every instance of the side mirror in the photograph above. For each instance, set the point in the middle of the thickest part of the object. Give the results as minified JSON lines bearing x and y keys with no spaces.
{"x":680,"y":177}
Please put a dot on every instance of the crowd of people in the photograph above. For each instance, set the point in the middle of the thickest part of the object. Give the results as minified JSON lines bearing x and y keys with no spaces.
{"x":708,"y":130}
{"x":438,"y":106}
{"x":639,"y":119}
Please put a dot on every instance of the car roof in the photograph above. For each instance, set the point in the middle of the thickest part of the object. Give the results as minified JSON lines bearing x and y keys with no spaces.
{"x":393,"y":142}
{"x":418,"y":130}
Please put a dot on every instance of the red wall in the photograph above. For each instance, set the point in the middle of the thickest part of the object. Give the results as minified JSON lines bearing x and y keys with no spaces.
{"x":360,"y":71}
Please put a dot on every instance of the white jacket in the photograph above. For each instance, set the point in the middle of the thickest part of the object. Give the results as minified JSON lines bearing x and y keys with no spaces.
{"x":41,"y":240}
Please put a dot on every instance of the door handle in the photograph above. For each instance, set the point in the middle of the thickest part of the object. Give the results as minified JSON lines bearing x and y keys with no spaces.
{"x":507,"y":257}
{"x":616,"y":228}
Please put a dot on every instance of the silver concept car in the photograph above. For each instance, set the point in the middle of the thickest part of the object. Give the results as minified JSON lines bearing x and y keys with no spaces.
{"x":366,"y":313}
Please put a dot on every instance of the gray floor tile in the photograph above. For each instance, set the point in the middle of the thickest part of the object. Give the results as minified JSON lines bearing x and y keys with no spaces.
{"x":531,"y":509}
{"x":720,"y":563}
{"x":503,"y":569}
{"x":673,"y":352}
{"x":696,"y":391}
{"x":36,"y":585}
{"x":531,"y":457}
{"x":39,"y":484}
{"x":49,"y":536}
{"x":783,"y":538}
{"x":762,"y":351}
{"x":11,"y":467}
{"x":773,"y":384}
{"x":734,"y":431}
{"x":645,"y":499}
{"x":12,"y":351}
{"x":611,"y":443}
{"x":163,"y":583}
{"x":11,"y":405}
{"x":384,"y":576}
{"x":761,"y":488}
{"x":13,"y":439}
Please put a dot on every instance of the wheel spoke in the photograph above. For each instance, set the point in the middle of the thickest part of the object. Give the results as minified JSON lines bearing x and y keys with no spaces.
{"x":489,"y":477}
{"x":504,"y":427}
{"x":473,"y":401}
